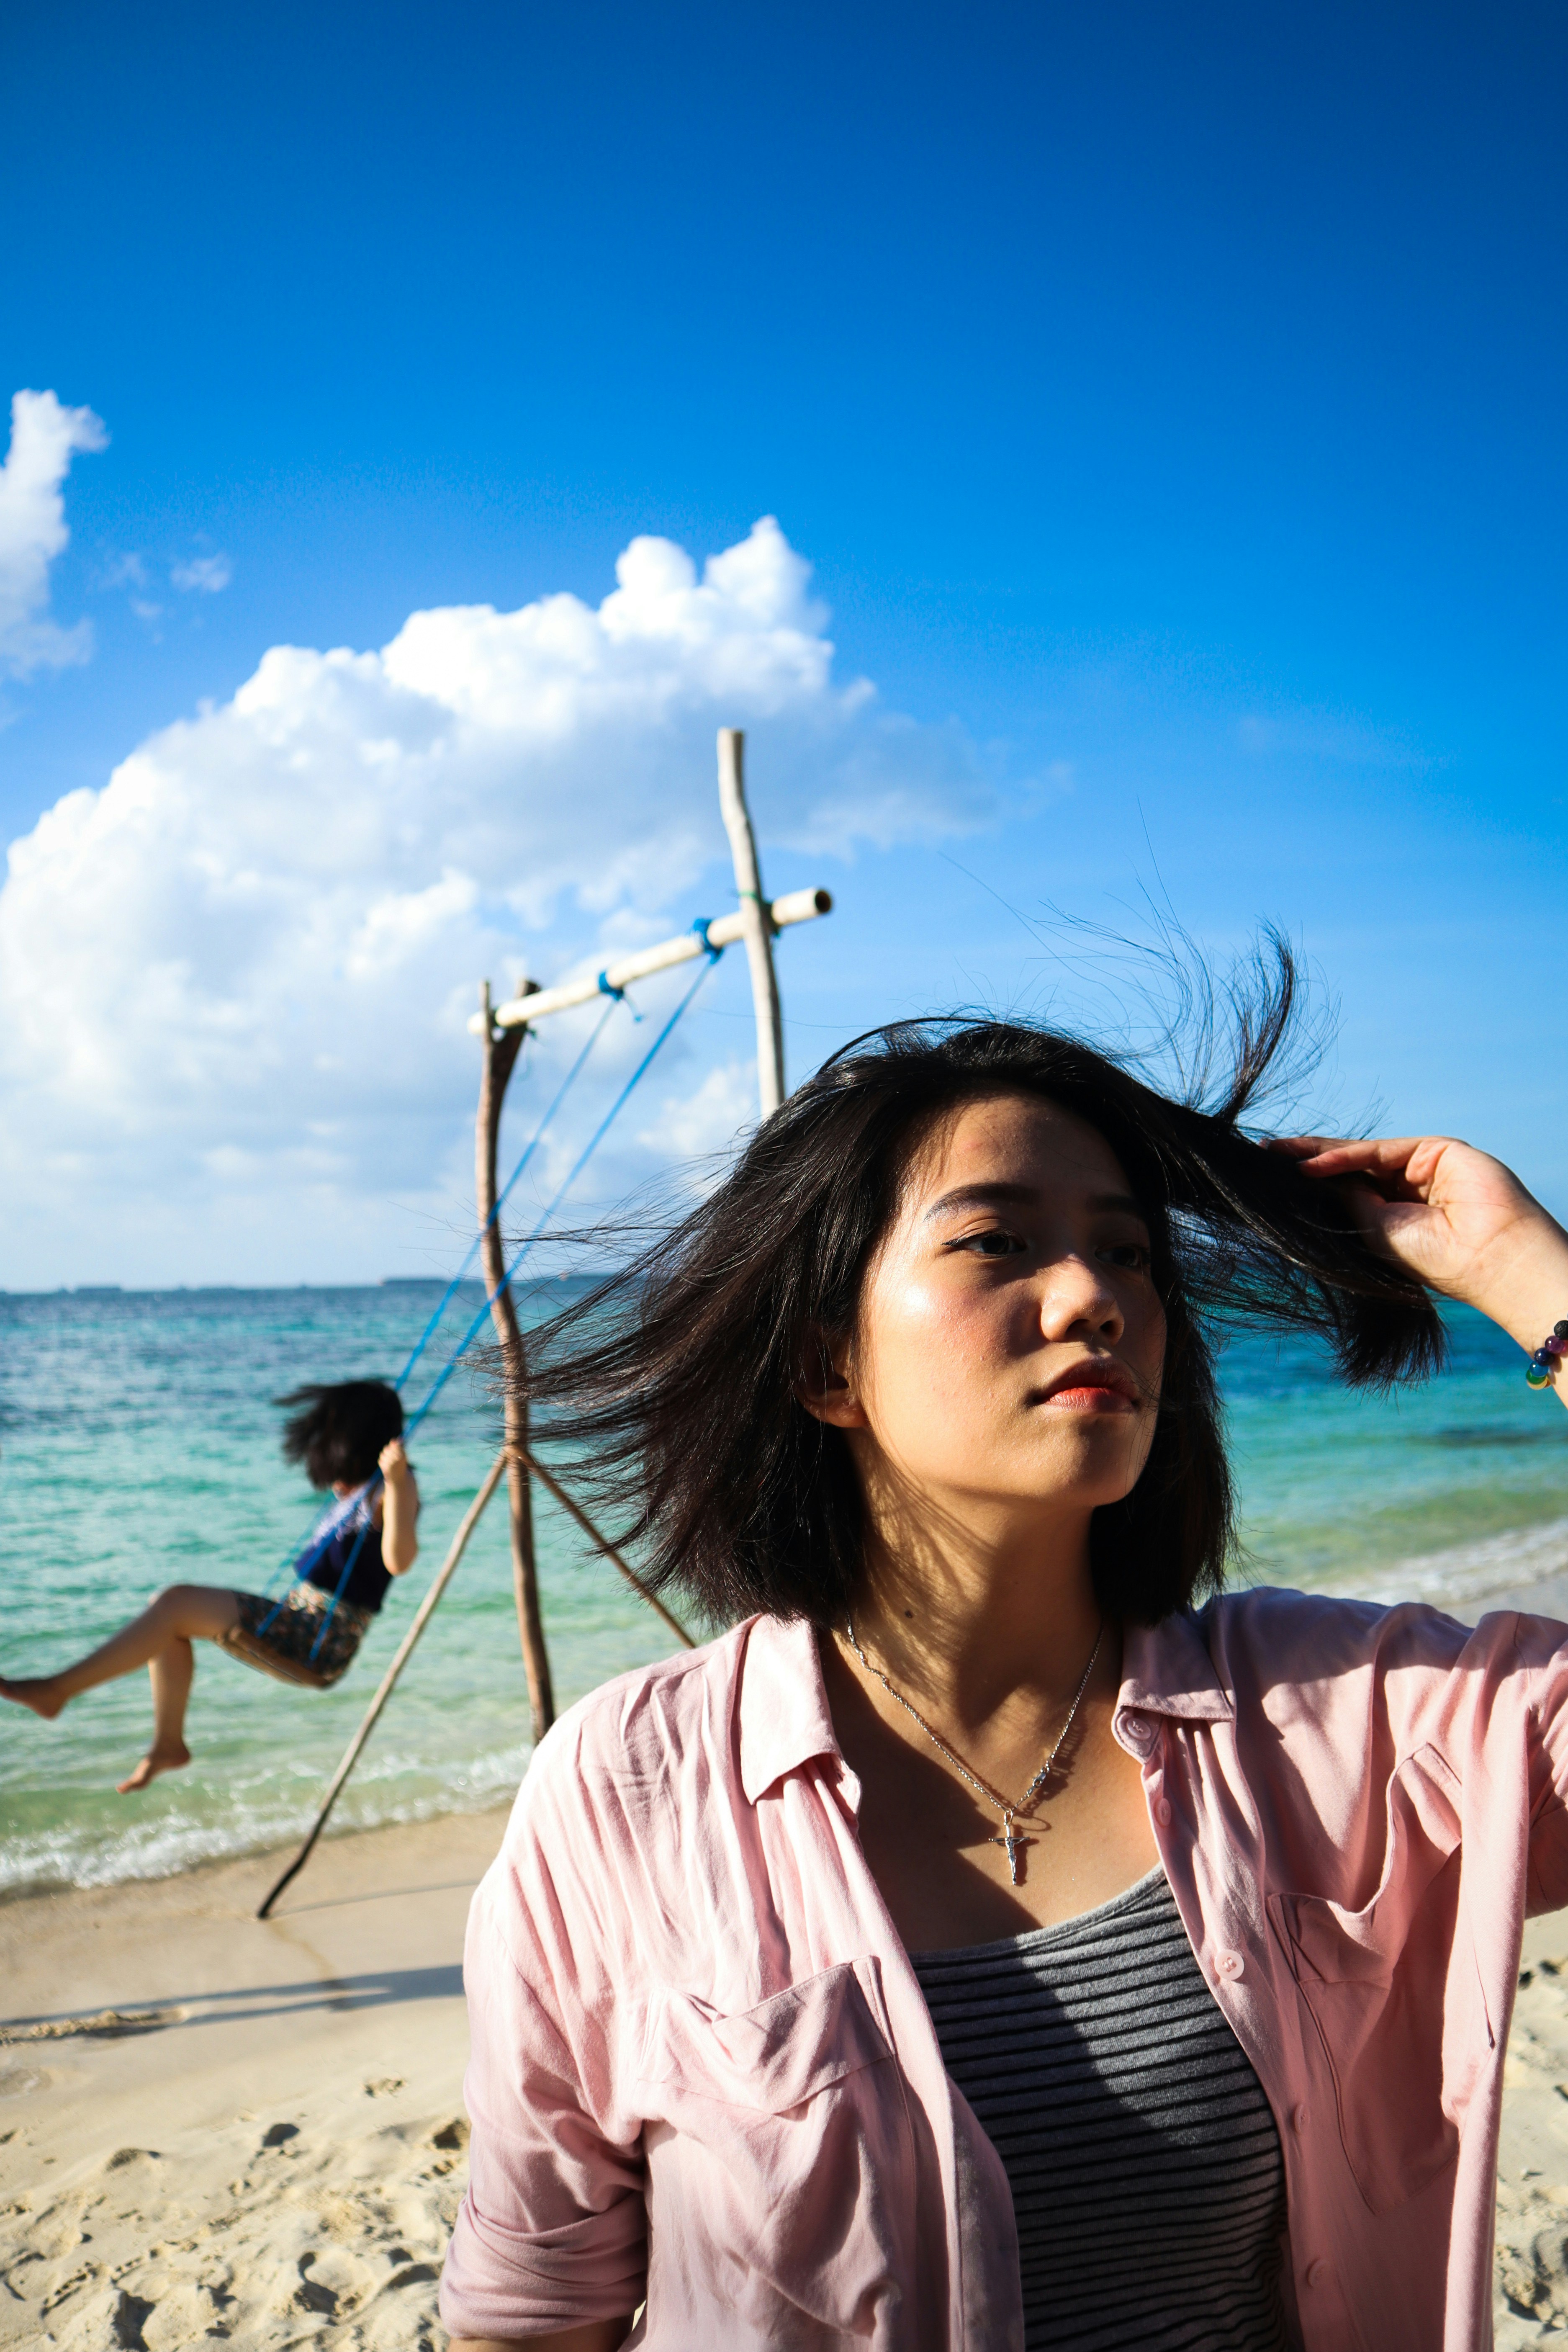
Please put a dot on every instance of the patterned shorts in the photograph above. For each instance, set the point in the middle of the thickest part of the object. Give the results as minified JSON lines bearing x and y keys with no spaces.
{"x":283,"y":1647}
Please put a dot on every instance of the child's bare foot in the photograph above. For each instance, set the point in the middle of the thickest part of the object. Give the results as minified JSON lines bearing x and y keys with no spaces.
{"x":156,"y":1760}
{"x":42,"y":1694}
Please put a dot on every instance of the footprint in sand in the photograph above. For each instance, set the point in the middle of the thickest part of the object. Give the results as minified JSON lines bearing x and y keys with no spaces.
{"x":337,"y":2241}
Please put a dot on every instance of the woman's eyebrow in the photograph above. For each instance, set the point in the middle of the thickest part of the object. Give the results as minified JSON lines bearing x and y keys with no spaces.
{"x":1118,"y":1201}
{"x":1000,"y":1195}
{"x":983,"y":1196}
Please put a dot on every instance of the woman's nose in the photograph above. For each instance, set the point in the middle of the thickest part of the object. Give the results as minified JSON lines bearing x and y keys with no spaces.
{"x":1078,"y":1302}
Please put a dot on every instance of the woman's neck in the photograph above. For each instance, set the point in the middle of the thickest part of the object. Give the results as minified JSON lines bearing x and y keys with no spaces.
{"x":971,"y":1631}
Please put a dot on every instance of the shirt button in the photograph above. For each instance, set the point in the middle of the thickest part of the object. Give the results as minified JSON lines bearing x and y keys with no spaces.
{"x":1298,"y":2119}
{"x":1230,"y":1966}
{"x":1318,"y":2272}
{"x":1140,"y":1734}
{"x":1162,"y":1812}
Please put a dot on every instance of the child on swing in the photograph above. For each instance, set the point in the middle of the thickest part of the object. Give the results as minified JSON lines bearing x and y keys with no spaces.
{"x":343,"y":1435}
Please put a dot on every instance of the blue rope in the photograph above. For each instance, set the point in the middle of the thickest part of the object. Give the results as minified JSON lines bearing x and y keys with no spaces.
{"x":576,"y":1170}
{"x":355,"y":1549}
{"x":335,"y":1519}
{"x":478,"y":1242}
{"x":325,"y":1527}
{"x":295,"y":1562}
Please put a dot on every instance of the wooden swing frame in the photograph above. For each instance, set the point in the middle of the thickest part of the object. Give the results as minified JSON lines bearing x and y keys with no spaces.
{"x":501,"y":1030}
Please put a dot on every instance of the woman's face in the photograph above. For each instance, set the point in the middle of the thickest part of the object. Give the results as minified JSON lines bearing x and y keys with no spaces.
{"x":1010,"y":1339}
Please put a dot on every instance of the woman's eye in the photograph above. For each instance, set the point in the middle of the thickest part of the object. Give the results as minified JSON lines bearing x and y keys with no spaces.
{"x":1133,"y":1256}
{"x":992,"y":1244}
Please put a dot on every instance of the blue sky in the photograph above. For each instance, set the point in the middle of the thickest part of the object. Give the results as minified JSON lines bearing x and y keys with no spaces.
{"x":1168,"y":404}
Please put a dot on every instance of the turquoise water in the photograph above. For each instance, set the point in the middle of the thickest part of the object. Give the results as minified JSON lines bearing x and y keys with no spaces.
{"x":138,"y":1448}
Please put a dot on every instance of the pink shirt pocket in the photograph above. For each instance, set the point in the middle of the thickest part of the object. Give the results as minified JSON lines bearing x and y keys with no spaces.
{"x":1374,"y":1979}
{"x":780,"y":2158}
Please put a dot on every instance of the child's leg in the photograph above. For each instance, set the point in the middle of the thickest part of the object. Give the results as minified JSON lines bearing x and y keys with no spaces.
{"x":172,"y":1672}
{"x":175,"y":1617}
{"x":184,"y":1611}
{"x":160,"y":1639}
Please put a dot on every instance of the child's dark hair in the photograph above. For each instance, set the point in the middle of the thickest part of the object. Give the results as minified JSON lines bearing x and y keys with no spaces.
{"x":338,"y":1430}
{"x":677,"y":1377}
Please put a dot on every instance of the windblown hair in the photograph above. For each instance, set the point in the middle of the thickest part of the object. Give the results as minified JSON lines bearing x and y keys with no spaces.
{"x":677,"y":1376}
{"x":337,"y":1431}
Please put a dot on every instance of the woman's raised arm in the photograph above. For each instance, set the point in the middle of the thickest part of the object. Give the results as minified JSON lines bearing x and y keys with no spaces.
{"x":1458,"y":1220}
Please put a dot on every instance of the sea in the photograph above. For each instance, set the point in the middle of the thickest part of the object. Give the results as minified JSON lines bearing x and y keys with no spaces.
{"x":138,"y":1447}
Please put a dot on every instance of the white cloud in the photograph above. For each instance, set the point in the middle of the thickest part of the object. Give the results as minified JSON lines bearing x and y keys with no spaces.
{"x":44,"y":438}
{"x":701,"y":1124}
{"x":235,"y":980}
{"x":206,"y":575}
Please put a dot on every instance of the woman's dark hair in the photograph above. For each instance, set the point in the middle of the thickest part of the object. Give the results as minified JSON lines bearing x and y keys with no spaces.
{"x":677,"y":1376}
{"x":337,"y":1431}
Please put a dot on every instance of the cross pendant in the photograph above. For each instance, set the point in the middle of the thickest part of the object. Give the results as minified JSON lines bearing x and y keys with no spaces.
{"x":1015,"y":1846}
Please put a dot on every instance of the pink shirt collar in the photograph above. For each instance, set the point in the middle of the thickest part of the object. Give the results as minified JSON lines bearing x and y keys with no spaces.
{"x":1166,"y":1670}
{"x":783,"y":1710}
{"x":785,"y":1721}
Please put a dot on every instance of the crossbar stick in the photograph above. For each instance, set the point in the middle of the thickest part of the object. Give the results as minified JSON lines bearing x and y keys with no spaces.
{"x":575,"y":1509}
{"x":518,"y":1011}
{"x":426,"y":1610}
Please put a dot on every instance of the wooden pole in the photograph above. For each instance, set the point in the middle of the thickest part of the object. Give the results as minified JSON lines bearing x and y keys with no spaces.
{"x":500,"y":1051}
{"x":575,"y":1511}
{"x":759,"y":924}
{"x":405,"y":1648}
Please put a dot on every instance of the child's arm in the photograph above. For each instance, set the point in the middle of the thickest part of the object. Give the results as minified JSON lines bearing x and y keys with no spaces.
{"x":400,"y":1545}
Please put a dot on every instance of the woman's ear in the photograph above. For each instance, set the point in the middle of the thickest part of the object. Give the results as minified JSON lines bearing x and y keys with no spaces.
{"x":825,"y":1383}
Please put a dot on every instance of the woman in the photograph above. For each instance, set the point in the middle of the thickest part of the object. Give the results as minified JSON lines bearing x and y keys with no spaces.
{"x":349,"y":1436}
{"x":981,"y":1944}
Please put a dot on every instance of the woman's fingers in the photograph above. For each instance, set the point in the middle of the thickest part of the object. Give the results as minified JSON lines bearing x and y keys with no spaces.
{"x":1453,"y":1216}
{"x":1393,"y":1166}
{"x":1326,"y":1155}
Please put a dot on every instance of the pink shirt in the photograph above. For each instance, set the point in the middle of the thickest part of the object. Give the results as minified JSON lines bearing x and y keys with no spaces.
{"x":703,"y":2075}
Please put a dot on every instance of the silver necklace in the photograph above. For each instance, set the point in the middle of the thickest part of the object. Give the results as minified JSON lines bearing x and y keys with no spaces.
{"x":1008,"y":1808}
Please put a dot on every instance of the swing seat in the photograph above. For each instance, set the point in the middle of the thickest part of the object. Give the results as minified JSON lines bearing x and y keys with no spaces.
{"x":277,"y":1639}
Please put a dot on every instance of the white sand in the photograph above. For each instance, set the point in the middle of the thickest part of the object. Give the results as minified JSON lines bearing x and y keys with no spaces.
{"x":1532,"y":2164}
{"x":213,"y":2129}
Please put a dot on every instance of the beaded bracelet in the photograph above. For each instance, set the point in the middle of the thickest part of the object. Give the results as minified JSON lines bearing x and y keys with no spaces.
{"x":1547,"y":1357}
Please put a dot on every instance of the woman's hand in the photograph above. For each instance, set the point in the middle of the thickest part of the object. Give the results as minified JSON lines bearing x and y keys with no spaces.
{"x":392,"y":1462}
{"x":1456,"y":1218}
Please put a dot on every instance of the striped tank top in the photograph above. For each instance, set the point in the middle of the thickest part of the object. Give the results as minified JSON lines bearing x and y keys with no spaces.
{"x":1147,"y":2182}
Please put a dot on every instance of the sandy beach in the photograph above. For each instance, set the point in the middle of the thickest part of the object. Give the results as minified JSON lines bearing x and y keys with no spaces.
{"x":215,"y":2128}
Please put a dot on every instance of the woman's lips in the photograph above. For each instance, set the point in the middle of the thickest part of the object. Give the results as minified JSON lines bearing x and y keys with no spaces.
{"x":1092,"y":1388}
{"x":1089,"y":1401}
